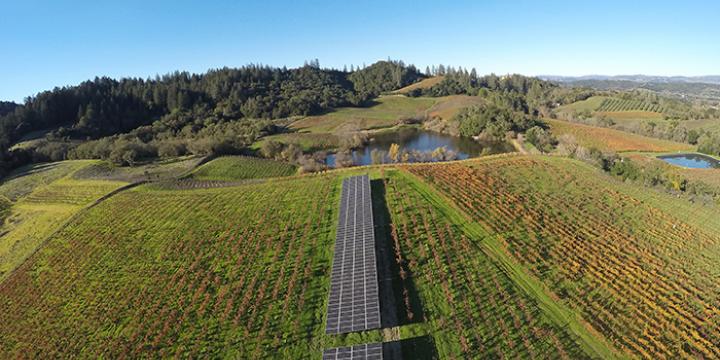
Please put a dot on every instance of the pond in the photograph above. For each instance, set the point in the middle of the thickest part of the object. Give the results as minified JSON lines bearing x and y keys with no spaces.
{"x":693,"y":161}
{"x":420,"y":144}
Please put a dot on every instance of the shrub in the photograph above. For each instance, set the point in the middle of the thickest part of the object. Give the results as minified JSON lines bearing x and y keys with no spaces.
{"x":171,"y":149}
{"x":709,"y":144}
{"x":131,"y":152}
{"x":271,"y":148}
{"x":343,"y":159}
{"x":542,"y":139}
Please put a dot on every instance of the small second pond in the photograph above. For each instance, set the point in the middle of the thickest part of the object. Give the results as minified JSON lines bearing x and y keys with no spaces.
{"x":422,"y":141}
{"x":693,"y":161}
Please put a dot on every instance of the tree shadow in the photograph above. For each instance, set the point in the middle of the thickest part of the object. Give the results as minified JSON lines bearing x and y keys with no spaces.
{"x":393,"y":297}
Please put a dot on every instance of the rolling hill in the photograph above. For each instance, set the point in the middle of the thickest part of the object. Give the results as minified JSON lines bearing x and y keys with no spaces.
{"x":613,"y":140}
{"x":40,"y":200}
{"x":696,"y":87}
{"x":230,"y":168}
{"x":422,"y":84}
{"x":496,"y":256}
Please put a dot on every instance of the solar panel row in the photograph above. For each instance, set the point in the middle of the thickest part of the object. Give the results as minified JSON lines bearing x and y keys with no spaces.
{"x":364,"y":351}
{"x":354,"y":303}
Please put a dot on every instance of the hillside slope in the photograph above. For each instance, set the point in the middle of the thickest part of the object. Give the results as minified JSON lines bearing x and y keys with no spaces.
{"x":42,"y":198}
{"x":387,"y":111}
{"x":638,"y":274}
{"x":504,"y":256}
{"x":422,"y":84}
{"x":186,"y":273}
{"x":229,"y":168}
{"x":613,"y":140}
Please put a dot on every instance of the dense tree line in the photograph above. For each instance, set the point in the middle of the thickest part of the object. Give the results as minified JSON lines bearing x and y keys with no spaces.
{"x":7,"y":107}
{"x":492,"y":121}
{"x":384,"y":76}
{"x":514,"y":104}
{"x":181,"y":104}
{"x":495,"y":122}
{"x":529,"y":95}
{"x":106,"y":106}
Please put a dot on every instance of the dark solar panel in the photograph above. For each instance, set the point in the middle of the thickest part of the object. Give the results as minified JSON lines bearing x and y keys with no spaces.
{"x":354,"y":303}
{"x":364,"y":351}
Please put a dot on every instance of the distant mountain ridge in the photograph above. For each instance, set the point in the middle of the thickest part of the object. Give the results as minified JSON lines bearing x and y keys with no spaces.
{"x":706,"y":79}
{"x":705,"y":88}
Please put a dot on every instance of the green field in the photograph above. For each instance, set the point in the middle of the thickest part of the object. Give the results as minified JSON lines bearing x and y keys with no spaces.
{"x":448,"y":106}
{"x":151,"y":171}
{"x":469,"y":301}
{"x":613,"y":140}
{"x":230,"y":168}
{"x":186,"y":273}
{"x":612,"y":104}
{"x":31,"y":139}
{"x":617,"y":105}
{"x":590,"y":104}
{"x":308,"y":142}
{"x":637,"y":114}
{"x":43,"y":198}
{"x":388,"y":111}
{"x":325,"y":132}
{"x":504,"y":257}
{"x":632,"y":266}
{"x":624,"y":112}
{"x":711,"y":125}
{"x":24,"y":180}
{"x":423,"y":84}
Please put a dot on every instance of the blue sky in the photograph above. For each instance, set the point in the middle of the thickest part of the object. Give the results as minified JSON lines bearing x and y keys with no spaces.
{"x":56,"y":43}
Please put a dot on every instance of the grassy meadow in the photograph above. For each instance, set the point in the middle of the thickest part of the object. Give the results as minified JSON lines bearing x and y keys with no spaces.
{"x":422,"y":84}
{"x":230,"y":168}
{"x":388,"y":111}
{"x":623,"y":112}
{"x":614,"y":140}
{"x":308,"y":142}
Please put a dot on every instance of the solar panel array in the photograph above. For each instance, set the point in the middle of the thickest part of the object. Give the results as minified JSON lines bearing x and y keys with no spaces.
{"x":364,"y":351}
{"x":354,"y":300}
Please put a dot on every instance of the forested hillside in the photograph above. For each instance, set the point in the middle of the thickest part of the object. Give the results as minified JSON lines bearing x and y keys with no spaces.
{"x":7,"y":107}
{"x":182,"y":103}
{"x":225,"y":111}
{"x":521,"y":93}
